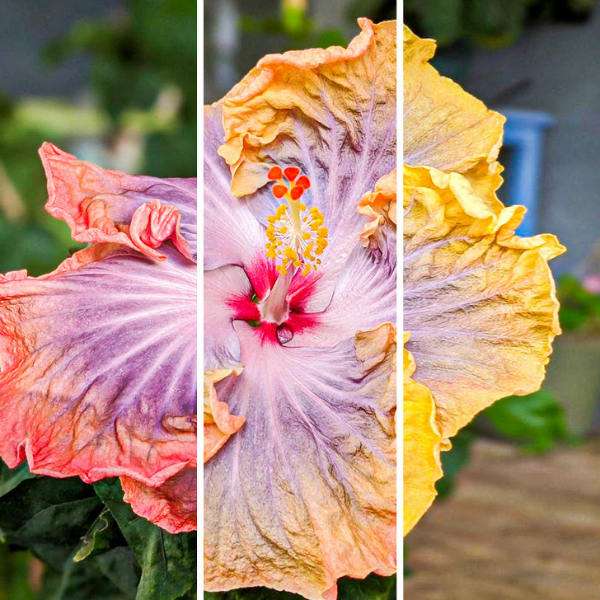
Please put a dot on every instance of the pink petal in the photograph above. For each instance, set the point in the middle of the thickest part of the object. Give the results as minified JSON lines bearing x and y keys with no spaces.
{"x":304,"y":492}
{"x":98,"y":366}
{"x":100,"y":205}
{"x":171,"y":505}
{"x":232,"y":233}
{"x":221,"y":343}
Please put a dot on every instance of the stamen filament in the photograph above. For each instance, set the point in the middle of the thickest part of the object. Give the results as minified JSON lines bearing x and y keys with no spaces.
{"x":296,"y":235}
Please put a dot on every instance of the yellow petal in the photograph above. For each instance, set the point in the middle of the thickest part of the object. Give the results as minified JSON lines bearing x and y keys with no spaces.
{"x":422,"y":466}
{"x":219,"y":424}
{"x":479,"y":301}
{"x":379,"y":207}
{"x":444,"y":127}
{"x":285,"y":92}
{"x":377,"y":348}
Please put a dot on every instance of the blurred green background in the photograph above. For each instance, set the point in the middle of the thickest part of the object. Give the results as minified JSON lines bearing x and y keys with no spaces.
{"x":114,"y":82}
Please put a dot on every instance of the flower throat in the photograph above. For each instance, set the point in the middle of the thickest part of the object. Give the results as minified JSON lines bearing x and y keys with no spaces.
{"x":296,"y":238}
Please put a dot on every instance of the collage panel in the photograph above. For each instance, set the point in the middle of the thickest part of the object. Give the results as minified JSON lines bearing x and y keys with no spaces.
{"x":500,"y":300}
{"x":98,"y":256}
{"x":300,"y":300}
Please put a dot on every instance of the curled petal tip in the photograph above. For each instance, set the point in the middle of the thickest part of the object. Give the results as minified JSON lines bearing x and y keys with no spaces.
{"x":171,"y":505}
{"x":104,"y":206}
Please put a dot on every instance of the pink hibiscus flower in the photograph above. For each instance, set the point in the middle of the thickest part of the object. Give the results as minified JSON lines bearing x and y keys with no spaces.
{"x":97,"y":358}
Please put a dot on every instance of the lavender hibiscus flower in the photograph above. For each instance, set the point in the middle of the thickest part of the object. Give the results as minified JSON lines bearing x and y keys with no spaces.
{"x":300,"y":276}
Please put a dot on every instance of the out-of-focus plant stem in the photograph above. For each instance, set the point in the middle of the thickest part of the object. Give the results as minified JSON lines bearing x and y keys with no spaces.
{"x":11,"y":203}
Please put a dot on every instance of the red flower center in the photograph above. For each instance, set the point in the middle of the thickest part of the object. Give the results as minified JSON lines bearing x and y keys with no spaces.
{"x":276,"y":305}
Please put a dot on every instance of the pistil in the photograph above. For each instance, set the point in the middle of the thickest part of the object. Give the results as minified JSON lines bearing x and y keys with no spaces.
{"x":275,"y":308}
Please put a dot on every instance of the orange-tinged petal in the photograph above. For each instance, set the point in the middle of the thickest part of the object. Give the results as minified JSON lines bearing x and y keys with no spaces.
{"x":172,"y":505}
{"x":379,"y":207}
{"x":100,"y":205}
{"x":377,"y":347}
{"x":298,"y":93}
{"x":479,"y":300}
{"x":422,"y":466}
{"x":219,"y":424}
{"x":95,"y":362}
{"x":444,"y":127}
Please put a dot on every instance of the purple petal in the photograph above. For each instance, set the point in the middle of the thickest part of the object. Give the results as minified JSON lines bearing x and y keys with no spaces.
{"x":98,"y":364}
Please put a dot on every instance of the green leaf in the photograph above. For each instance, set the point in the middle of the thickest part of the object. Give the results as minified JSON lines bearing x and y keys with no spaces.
{"x":372,"y":587}
{"x":536,"y":421}
{"x":11,"y":478}
{"x":168,"y":562}
{"x":578,"y":307}
{"x":119,"y":565}
{"x":81,"y":581}
{"x":453,"y":461}
{"x":48,"y":516}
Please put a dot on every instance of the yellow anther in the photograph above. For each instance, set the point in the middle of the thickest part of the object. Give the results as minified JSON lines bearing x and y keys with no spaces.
{"x":296,"y":236}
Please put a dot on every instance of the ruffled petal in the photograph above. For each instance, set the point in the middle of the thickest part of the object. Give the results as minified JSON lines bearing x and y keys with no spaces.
{"x":109,"y":206}
{"x":219,"y":423}
{"x":232,"y":233}
{"x":304,"y":492}
{"x":379,"y":209}
{"x":444,"y":127}
{"x":422,"y":444}
{"x":479,"y":301}
{"x":172,"y":505}
{"x":328,"y":108}
{"x":331,"y":113}
{"x":98,"y":366}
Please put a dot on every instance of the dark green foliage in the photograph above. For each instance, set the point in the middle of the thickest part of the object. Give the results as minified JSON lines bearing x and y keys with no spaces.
{"x":91,"y":542}
{"x":167,"y":562}
{"x":491,"y":23}
{"x":536,"y":421}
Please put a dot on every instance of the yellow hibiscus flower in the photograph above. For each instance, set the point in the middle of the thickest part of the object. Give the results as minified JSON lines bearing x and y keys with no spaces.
{"x":480,"y":308}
